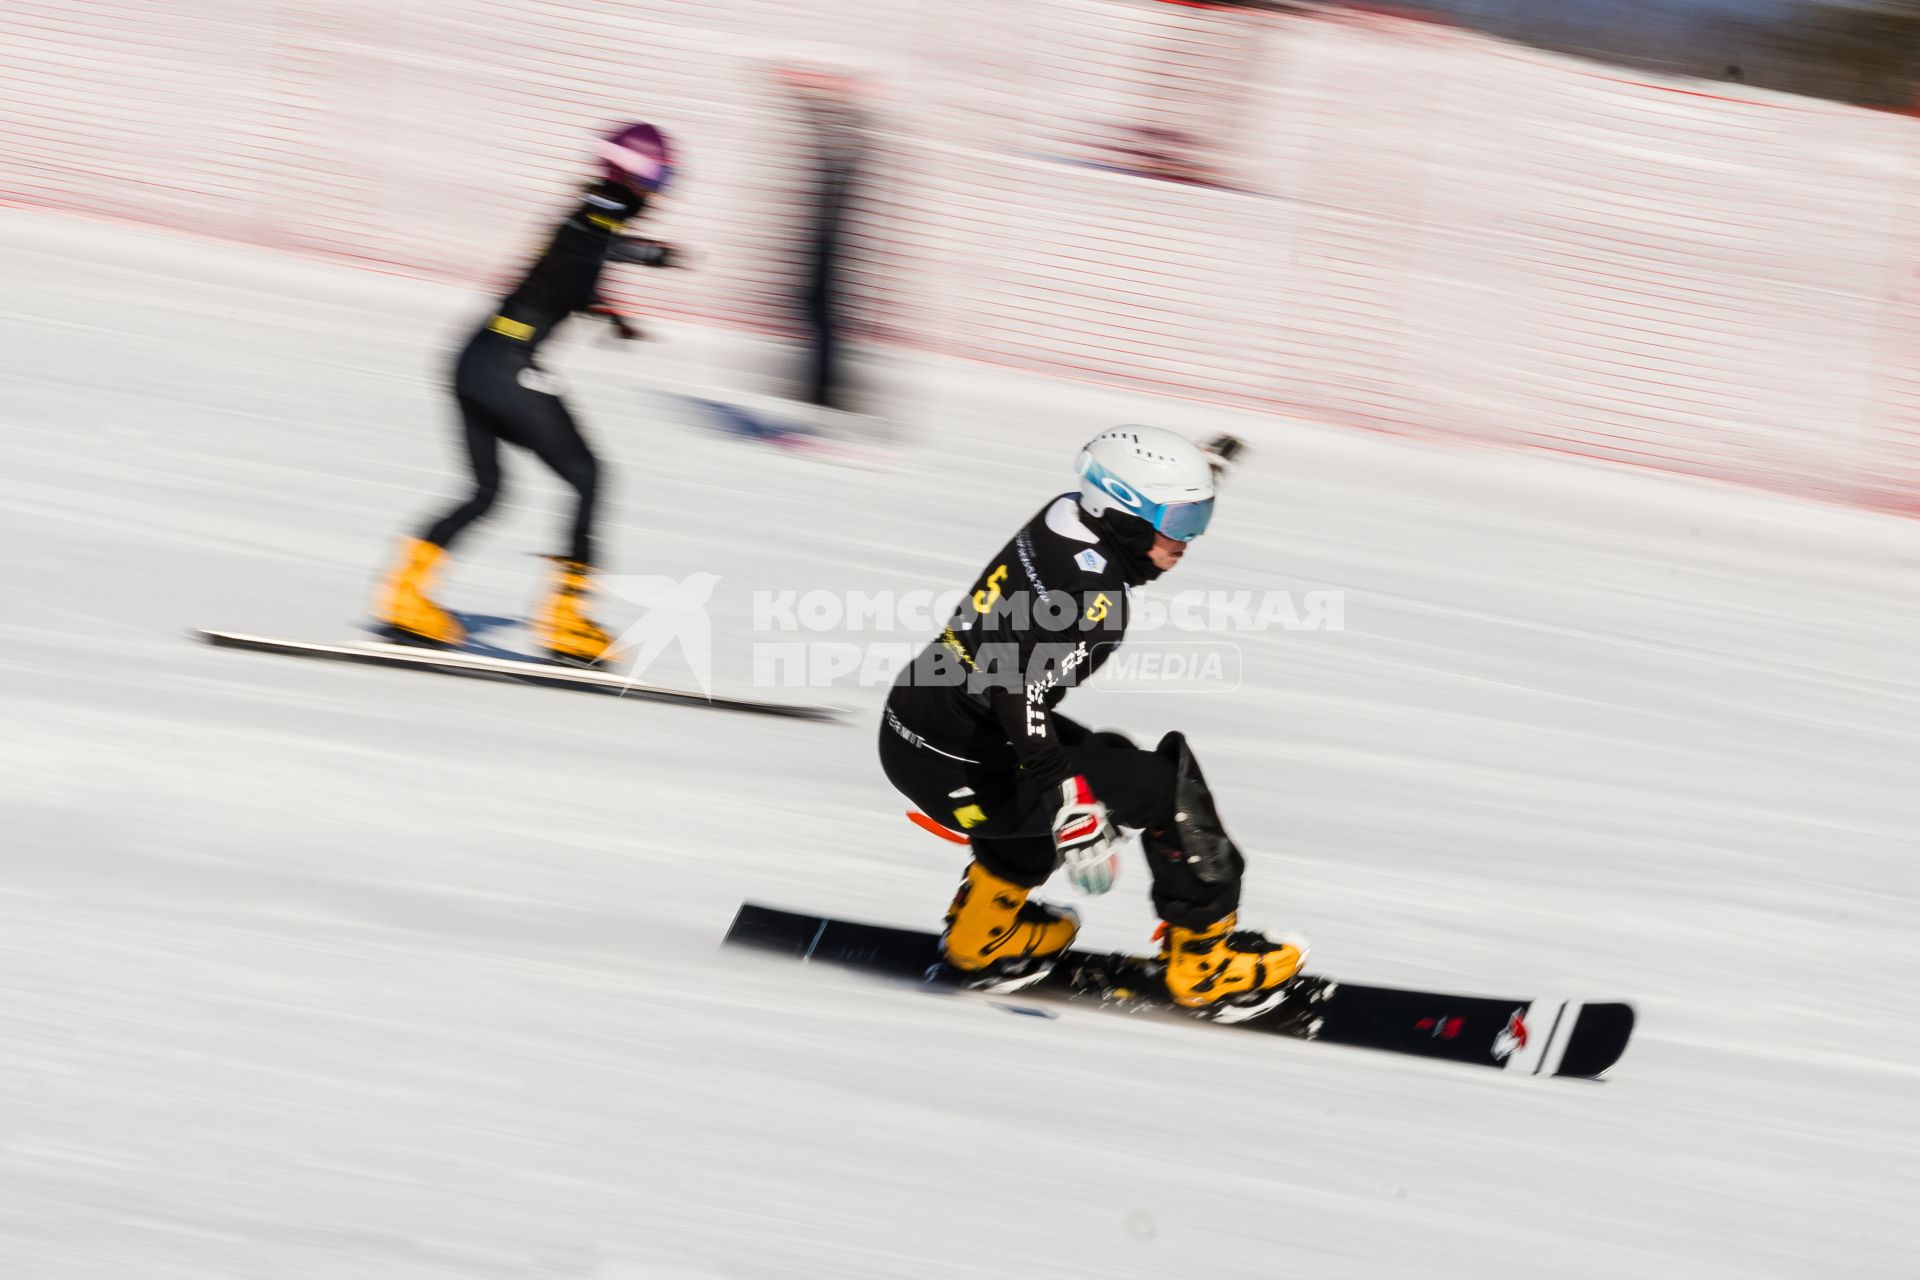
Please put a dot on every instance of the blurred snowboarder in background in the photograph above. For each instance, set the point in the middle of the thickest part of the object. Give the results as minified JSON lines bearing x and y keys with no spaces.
{"x":504,"y":395}
{"x":972,"y":736}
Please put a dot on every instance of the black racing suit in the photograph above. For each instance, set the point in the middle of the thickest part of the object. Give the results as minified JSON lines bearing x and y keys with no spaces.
{"x":972,"y":736}
{"x":503,"y":392}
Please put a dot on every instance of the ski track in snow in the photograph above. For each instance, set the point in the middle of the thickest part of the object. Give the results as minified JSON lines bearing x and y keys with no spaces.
{"x":311,"y":970}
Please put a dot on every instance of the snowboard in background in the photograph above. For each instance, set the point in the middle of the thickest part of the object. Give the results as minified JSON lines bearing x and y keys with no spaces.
{"x":490,"y":663}
{"x":1530,"y":1037}
{"x":856,"y":439}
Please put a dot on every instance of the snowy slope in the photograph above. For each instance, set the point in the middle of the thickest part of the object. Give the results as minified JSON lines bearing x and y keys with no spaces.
{"x":315,"y":971}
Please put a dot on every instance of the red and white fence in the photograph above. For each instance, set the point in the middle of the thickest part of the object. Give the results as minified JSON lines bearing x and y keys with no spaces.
{"x":1374,"y":221}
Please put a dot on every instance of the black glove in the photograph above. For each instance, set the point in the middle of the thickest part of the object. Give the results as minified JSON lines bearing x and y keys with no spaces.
{"x":641,"y":252}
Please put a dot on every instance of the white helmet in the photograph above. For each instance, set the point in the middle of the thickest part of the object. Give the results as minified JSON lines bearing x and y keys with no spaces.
{"x":1149,"y":472}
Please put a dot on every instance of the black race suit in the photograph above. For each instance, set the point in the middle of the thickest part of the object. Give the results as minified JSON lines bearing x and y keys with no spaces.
{"x":971,"y":735}
{"x":503,"y":392}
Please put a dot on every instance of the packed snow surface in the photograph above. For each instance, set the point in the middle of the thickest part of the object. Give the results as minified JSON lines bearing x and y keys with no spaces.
{"x":313,"y":970}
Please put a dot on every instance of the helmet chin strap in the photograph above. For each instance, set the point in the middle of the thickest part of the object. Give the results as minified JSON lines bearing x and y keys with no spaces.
{"x":1133,"y":538}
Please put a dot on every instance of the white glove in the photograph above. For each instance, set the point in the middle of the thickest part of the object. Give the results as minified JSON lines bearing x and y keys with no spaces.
{"x":1085,"y":838}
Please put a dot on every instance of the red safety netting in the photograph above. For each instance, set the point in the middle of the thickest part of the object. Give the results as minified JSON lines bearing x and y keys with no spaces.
{"x":1364,"y":220}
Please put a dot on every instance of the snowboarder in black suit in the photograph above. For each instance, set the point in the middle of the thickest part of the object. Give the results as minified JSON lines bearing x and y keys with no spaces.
{"x":504,"y":395}
{"x":972,"y":736}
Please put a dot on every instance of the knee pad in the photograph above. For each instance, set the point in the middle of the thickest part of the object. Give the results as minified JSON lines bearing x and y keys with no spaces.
{"x":1197,"y":838}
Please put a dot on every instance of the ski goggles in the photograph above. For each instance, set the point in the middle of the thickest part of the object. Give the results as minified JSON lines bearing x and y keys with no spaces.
{"x":1181,"y":521}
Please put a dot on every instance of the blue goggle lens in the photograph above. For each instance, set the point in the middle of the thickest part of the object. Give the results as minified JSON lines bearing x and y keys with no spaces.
{"x":1184,"y":521}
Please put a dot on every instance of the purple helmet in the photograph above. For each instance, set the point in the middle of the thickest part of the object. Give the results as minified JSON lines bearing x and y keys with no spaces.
{"x":638,"y":155}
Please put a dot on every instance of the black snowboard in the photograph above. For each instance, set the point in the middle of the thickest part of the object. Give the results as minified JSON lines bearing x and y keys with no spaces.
{"x":1533,"y":1037}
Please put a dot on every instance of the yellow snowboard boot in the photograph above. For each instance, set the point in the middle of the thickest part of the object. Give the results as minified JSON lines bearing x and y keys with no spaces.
{"x":1232,"y":972}
{"x":995,"y":935}
{"x":403,"y":608}
{"x":563,"y":628}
